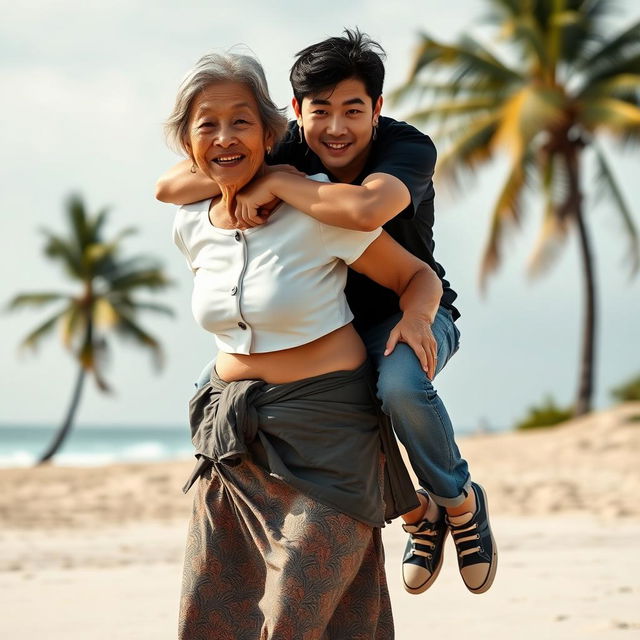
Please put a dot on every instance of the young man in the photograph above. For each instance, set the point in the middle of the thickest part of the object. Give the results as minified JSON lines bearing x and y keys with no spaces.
{"x":381,"y":172}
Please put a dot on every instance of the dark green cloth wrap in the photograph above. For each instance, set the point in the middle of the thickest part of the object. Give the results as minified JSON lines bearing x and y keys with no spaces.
{"x":322,"y":435}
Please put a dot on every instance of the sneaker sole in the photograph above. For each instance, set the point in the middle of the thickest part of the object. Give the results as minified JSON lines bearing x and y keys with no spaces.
{"x":432,"y":577}
{"x":486,"y":585}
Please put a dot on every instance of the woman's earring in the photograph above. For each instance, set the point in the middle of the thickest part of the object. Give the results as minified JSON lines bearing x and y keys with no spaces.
{"x":375,"y":131}
{"x":193,"y":168}
{"x":269,"y":150}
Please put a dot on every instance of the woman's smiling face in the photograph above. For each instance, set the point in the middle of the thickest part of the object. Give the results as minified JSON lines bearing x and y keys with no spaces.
{"x":227,"y":139}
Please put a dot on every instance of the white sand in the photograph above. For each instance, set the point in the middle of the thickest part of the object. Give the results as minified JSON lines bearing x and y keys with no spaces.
{"x":96,"y":553}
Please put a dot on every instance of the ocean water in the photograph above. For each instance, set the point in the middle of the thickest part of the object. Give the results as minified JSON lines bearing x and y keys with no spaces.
{"x":20,"y":445}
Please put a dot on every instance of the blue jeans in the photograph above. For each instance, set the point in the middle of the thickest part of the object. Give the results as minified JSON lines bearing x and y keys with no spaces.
{"x":417,"y":413}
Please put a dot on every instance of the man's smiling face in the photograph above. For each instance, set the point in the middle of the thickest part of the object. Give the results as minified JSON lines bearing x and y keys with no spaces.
{"x":338,"y":126}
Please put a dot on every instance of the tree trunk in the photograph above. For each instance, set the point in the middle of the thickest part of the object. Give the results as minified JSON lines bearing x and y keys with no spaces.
{"x":587,"y":357}
{"x":65,"y":428}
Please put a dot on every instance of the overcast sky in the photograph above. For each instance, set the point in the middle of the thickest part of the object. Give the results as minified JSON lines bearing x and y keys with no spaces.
{"x":85,"y":88}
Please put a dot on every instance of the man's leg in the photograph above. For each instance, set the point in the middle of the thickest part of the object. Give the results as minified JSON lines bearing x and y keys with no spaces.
{"x":422,"y":424}
{"x":417,"y":412}
{"x":205,"y":375}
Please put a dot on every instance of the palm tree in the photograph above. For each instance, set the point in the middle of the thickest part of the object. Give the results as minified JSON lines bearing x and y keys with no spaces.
{"x":104,"y":302}
{"x":555,"y":83}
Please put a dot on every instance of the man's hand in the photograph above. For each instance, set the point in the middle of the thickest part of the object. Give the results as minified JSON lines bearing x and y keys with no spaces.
{"x":256,"y":201}
{"x":416,"y":332}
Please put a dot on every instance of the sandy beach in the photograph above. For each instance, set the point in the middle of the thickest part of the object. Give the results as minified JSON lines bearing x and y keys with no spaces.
{"x":95,"y":553}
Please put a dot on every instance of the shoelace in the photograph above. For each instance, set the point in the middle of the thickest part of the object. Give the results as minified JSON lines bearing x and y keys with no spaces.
{"x":459,"y":539}
{"x":420,"y":538}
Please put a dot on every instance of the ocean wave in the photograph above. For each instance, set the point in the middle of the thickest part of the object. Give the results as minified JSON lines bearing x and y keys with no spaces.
{"x":17,"y":459}
{"x":136,"y":452}
{"x":145,"y":451}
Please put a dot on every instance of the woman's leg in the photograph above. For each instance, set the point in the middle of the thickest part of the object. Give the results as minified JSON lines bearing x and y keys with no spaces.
{"x":264,"y":561}
{"x":367,"y":592}
{"x":223,"y":579}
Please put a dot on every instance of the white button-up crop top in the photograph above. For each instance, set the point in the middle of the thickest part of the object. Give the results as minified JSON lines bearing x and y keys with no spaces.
{"x":272,"y":287}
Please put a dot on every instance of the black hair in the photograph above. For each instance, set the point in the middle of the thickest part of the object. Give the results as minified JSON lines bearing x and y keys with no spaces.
{"x":325,"y":64}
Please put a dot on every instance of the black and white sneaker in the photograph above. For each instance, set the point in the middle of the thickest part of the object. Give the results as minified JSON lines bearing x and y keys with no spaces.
{"x":423,"y":555}
{"x":476,"y":548}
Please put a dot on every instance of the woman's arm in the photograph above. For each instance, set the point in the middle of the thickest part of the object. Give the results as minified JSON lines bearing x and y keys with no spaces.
{"x":180,"y":186}
{"x":418,"y":288}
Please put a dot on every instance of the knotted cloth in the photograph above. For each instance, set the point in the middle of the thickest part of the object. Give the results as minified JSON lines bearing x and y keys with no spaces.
{"x":322,"y":435}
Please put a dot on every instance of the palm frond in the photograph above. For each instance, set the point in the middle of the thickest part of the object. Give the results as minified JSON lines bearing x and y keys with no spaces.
{"x":72,"y":325}
{"x":528,"y":112}
{"x":105,"y":314}
{"x":608,"y":186}
{"x":418,"y":89}
{"x":525,"y":31}
{"x":127,"y":328}
{"x":130,"y":306}
{"x":97,"y":222}
{"x":506,"y":213}
{"x":143,"y":275}
{"x":468,"y":106}
{"x":501,"y":10}
{"x":99,"y":252}
{"x":610,"y":114}
{"x":34,"y":300}
{"x":79,"y":224}
{"x":32,"y":340}
{"x":470,"y":44}
{"x":625,"y":87}
{"x":630,"y":65}
{"x":472,"y":145}
{"x":598,"y":10}
{"x":573,"y":32}
{"x":614,"y":51}
{"x":553,"y":232}
{"x":103,"y":250}
{"x":470,"y":64}
{"x":583,"y":23}
{"x":61,"y":249}
{"x":102,"y":258}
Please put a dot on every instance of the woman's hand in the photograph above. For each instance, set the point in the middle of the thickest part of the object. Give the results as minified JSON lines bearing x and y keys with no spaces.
{"x":256,"y":201}
{"x":415,"y":331}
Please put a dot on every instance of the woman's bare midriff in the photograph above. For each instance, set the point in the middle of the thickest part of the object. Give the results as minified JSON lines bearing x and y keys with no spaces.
{"x":340,"y":350}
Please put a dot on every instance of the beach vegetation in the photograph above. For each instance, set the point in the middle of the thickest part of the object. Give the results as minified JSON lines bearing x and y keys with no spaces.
{"x":628,"y":391}
{"x":555,"y":81}
{"x":103,"y":304}
{"x":547,"y":414}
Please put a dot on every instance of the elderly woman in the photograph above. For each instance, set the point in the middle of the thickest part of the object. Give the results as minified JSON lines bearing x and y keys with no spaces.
{"x":291,"y":484}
